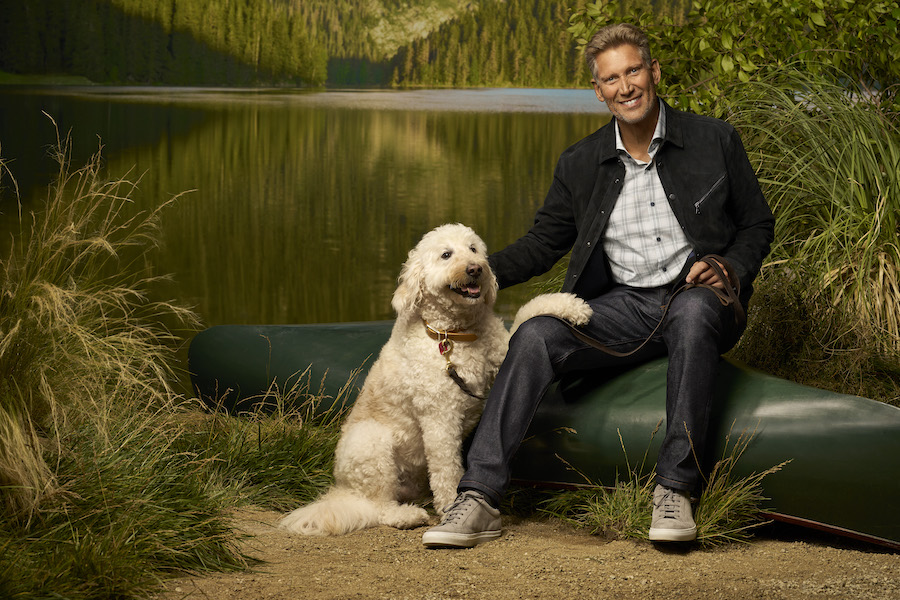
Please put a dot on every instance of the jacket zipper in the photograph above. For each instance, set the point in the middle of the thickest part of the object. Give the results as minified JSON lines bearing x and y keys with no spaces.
{"x":706,"y":195}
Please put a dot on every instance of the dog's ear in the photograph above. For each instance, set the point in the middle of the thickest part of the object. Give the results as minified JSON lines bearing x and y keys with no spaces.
{"x":408,"y":294}
{"x":490,"y":287}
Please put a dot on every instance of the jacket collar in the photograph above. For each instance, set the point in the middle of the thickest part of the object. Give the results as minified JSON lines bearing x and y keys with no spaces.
{"x":673,"y":135}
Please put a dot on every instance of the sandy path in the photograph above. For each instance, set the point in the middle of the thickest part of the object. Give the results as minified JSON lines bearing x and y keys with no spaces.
{"x":541,"y":559}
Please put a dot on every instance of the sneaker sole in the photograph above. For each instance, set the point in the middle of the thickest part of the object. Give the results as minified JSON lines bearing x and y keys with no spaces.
{"x":444,"y":539}
{"x":673,"y":535}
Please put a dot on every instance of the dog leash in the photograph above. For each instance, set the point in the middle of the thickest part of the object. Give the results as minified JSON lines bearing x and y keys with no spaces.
{"x":730,"y":296}
{"x":445,"y":347}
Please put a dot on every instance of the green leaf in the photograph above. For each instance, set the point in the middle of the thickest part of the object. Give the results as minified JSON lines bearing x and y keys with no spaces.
{"x":727,"y":40}
{"x":818,"y":19}
{"x":727,"y":64}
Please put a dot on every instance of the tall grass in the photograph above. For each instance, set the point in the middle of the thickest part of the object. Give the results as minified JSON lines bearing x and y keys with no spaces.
{"x":279,"y":455}
{"x":727,"y":510}
{"x":76,"y":322}
{"x":828,"y":158}
{"x":109,"y":481}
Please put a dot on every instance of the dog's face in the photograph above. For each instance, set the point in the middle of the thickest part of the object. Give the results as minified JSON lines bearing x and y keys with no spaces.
{"x":448,"y":265}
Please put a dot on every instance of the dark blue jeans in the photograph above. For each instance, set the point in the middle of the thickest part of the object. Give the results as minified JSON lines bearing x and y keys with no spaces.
{"x":697,"y":329}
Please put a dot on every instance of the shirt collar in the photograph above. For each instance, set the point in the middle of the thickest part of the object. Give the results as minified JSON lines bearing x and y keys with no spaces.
{"x":659,"y":133}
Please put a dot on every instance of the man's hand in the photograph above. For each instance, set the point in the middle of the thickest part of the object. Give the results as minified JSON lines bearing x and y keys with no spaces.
{"x":703,"y":273}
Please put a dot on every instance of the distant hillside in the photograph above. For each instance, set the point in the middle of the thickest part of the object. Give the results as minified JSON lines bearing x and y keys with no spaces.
{"x":375,"y":29}
{"x":509,"y":43}
{"x":190,"y":42}
{"x":300,"y":42}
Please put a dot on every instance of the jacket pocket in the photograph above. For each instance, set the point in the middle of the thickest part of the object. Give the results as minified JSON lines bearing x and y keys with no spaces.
{"x":719,"y":182}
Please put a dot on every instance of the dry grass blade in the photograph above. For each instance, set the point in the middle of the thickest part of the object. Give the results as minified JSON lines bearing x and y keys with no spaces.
{"x":77,"y":325}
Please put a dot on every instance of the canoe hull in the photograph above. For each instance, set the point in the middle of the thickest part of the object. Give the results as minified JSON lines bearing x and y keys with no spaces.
{"x":844,"y":451}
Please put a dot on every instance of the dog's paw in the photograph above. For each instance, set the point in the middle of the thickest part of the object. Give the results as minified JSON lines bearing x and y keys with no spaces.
{"x":560,"y":304}
{"x":403,"y":516}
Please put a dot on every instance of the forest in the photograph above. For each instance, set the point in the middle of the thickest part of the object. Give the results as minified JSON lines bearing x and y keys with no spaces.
{"x":301,"y":42}
{"x":180,"y":42}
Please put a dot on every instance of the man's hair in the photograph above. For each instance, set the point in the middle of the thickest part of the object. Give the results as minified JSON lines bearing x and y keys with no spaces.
{"x":613,"y":36}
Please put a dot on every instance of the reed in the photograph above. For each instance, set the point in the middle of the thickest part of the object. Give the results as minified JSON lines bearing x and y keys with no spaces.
{"x":99,"y":496}
{"x":828,"y":156}
{"x":77,"y":325}
{"x":109,"y":480}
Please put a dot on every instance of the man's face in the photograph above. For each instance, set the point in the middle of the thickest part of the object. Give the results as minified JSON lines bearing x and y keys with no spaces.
{"x":626,"y":84}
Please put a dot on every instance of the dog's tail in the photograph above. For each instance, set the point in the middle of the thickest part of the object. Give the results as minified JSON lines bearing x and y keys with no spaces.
{"x":338,"y":511}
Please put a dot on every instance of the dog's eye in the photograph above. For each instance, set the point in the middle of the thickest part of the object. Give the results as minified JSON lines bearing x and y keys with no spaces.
{"x":447,"y":254}
{"x":472,"y":248}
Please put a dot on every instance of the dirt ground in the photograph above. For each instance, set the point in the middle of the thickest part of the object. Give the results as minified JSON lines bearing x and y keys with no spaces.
{"x":544,"y":559}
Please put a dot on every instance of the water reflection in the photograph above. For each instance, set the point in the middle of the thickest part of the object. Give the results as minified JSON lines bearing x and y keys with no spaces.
{"x":305,"y":204}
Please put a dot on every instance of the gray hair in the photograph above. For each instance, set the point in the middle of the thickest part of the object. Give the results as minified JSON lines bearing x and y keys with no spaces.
{"x":613,"y":36}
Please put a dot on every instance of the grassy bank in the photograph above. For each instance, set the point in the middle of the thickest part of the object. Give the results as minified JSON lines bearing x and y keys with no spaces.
{"x":109,"y":481}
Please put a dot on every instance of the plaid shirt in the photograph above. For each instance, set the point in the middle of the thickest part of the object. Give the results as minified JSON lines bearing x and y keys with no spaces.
{"x":643,"y":240}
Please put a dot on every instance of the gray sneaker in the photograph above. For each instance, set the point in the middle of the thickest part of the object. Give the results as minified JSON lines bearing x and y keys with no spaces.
{"x":468,"y":521}
{"x":672,"y":519}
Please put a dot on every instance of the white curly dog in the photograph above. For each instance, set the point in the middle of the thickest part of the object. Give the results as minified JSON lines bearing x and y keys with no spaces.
{"x":426,"y":390}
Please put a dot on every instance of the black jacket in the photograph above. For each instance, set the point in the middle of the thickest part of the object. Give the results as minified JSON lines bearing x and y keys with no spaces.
{"x":708,"y":181}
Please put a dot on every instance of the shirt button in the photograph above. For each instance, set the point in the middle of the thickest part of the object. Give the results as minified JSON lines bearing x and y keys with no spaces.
{"x":664,"y":269}
{"x":671,"y":196}
{"x":653,"y":204}
{"x":589,"y":244}
{"x":658,"y":239}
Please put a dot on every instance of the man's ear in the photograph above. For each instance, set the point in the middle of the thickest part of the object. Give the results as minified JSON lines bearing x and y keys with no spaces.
{"x":655,"y":71}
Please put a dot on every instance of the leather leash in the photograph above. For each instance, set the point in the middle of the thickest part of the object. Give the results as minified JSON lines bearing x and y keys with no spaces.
{"x":445,"y":347}
{"x":730,"y":296}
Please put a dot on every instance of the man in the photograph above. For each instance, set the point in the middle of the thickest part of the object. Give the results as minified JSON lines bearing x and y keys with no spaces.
{"x":638,"y":202}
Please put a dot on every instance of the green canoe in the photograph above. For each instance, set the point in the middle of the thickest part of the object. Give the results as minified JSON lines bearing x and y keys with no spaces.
{"x":844,"y":451}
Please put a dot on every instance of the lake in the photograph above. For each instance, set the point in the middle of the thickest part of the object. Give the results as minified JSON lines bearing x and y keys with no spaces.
{"x":305,"y":204}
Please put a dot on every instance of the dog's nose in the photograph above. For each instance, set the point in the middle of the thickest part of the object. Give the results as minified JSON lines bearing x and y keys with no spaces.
{"x":474,"y":271}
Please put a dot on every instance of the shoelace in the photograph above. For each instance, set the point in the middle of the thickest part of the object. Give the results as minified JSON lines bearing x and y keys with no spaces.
{"x":671,"y":506}
{"x":458,"y":508}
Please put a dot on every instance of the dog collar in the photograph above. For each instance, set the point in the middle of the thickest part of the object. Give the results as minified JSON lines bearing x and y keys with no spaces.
{"x":459,"y":336}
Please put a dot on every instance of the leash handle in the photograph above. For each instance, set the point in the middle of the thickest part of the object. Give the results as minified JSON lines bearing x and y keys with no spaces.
{"x":730,"y":296}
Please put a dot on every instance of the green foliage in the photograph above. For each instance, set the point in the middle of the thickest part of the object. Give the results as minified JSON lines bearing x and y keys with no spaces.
{"x":728,"y":509}
{"x":514,"y":43}
{"x":828,"y":156}
{"x":374,"y":30}
{"x":130,"y":509}
{"x":109,"y":481}
{"x":279,"y":456}
{"x":723,"y":43}
{"x":76,"y":321}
